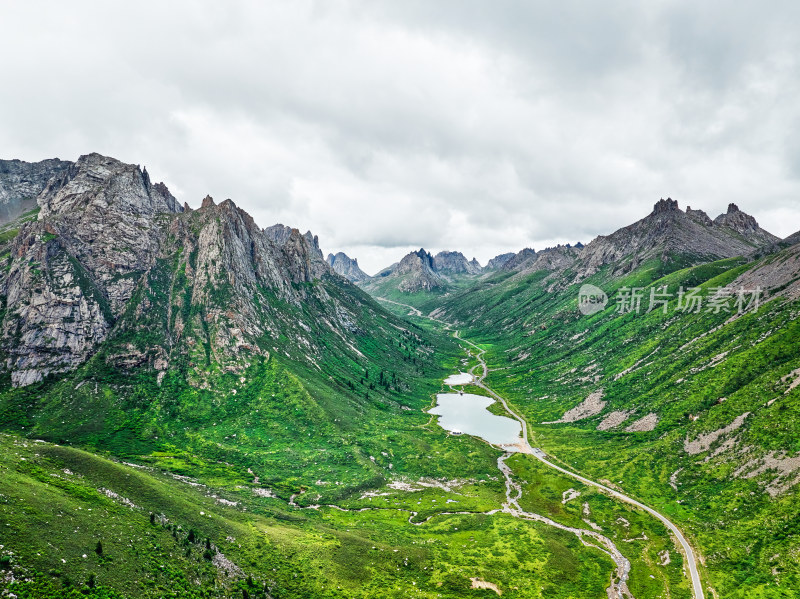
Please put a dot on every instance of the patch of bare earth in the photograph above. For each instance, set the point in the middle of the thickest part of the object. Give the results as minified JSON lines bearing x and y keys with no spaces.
{"x":479,"y":583}
{"x":614,"y":419}
{"x":223,"y":564}
{"x":794,"y":374}
{"x":644,"y":425}
{"x":704,"y":441}
{"x":786,"y":468}
{"x":591,"y":406}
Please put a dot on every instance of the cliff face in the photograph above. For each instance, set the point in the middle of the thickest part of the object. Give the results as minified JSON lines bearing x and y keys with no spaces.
{"x":497,"y":262}
{"x":347,"y":267}
{"x":21,"y":182}
{"x":516,"y":261}
{"x":418,"y":272}
{"x":455,"y":263}
{"x":72,"y":272}
{"x":114,"y":258}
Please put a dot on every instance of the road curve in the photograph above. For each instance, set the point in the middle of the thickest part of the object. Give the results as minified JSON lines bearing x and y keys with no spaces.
{"x":688,"y":552}
{"x":697,"y":586}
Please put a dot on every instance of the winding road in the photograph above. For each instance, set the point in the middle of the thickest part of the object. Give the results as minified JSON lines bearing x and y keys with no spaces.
{"x":688,"y":552}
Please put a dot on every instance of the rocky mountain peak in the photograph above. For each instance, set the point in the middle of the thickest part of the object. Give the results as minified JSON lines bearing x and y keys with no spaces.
{"x":517,"y":260}
{"x":347,"y":267}
{"x":549,"y":259}
{"x":668,"y":232}
{"x":455,"y":263}
{"x":101,"y":184}
{"x":425,"y":257}
{"x":737,"y":220}
{"x":668,"y":205}
{"x":419,"y":265}
{"x":99,"y":258}
{"x":278,"y":234}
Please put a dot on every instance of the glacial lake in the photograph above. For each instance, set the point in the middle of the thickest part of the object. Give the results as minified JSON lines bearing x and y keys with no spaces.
{"x":462,"y":378}
{"x":467,"y":413}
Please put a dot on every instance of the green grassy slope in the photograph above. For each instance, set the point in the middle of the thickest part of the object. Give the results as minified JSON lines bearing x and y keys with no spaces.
{"x":697,"y":372}
{"x":78,"y":524}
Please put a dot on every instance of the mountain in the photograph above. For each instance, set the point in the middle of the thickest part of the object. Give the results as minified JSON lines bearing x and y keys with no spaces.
{"x":417,"y":272}
{"x":115,"y":268}
{"x":498,"y":261}
{"x":195,"y":406}
{"x":348,"y":267}
{"x":745,"y":225}
{"x":678,"y":404}
{"x":455,"y":263}
{"x":552,"y":259}
{"x":792,"y":239}
{"x":72,"y":272}
{"x":21,"y":182}
{"x":278,"y":234}
{"x":524,"y":256}
{"x":420,"y":275}
{"x":672,"y":236}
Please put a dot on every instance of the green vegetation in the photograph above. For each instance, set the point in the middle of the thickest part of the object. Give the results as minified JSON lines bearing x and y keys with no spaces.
{"x":697,"y":372}
{"x":180,"y":460}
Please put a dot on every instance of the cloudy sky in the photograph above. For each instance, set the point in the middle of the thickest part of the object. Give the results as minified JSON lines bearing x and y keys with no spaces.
{"x":450,"y":124}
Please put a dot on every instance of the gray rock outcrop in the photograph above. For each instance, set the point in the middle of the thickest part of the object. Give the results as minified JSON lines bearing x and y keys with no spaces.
{"x":455,"y":263}
{"x":347,"y":267}
{"x":114,"y":261}
{"x":497,"y":262}
{"x":21,"y":182}
{"x":420,"y":273}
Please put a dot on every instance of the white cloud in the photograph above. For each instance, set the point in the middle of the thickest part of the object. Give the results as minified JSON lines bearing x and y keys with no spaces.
{"x":385,"y":126}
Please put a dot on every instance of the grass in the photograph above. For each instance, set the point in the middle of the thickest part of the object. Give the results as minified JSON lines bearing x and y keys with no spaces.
{"x":697,"y":372}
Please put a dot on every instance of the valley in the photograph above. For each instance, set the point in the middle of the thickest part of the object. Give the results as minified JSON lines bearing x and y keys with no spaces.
{"x":196,"y":406}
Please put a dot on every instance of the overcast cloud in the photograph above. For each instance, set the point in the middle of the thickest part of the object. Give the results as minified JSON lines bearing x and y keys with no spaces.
{"x":483,"y":127}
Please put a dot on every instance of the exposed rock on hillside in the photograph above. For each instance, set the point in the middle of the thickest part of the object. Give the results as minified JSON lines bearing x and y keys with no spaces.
{"x":115,"y":257}
{"x":279,"y":234}
{"x":73,"y":270}
{"x":550,"y":259}
{"x":421,"y":273}
{"x":667,"y":233}
{"x":778,"y":273}
{"x":522,"y":257}
{"x":455,"y":263}
{"x":498,"y":261}
{"x":21,"y":182}
{"x":745,"y":225}
{"x":347,"y":267}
